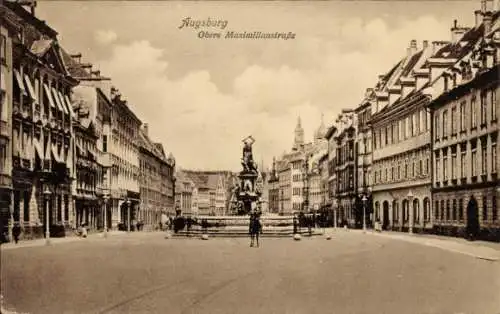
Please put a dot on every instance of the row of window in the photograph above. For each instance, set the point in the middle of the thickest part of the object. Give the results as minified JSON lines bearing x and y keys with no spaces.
{"x":345,"y":153}
{"x":345,"y":179}
{"x":62,"y":206}
{"x":393,"y":170}
{"x":453,"y":120}
{"x":453,"y":210}
{"x":461,"y":157}
{"x":398,"y":131}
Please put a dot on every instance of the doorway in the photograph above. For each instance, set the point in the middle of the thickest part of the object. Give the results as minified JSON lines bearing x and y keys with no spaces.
{"x":385,"y":216}
{"x":472,"y":219}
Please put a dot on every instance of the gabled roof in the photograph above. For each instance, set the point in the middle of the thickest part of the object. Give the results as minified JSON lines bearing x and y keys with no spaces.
{"x":49,"y":49}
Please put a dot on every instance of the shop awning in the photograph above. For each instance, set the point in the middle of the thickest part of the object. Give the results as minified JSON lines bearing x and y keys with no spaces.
{"x":55,"y":153}
{"x":80,"y":150}
{"x":38,"y":148}
{"x":49,"y":95}
{"x":61,"y":154}
{"x":3,"y":85}
{"x":70,"y":105}
{"x":63,"y":103}
{"x":31,"y":90}
{"x":47,"y":152}
{"x":16,"y":151}
{"x":19,"y":81}
{"x":57,"y":100}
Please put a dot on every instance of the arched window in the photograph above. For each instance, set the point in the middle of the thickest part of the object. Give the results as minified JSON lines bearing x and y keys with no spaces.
{"x":448,"y":216}
{"x":494,"y":211}
{"x":454,"y":213}
{"x":416,"y":211}
{"x":395,"y":212}
{"x":442,"y":210}
{"x":436,"y":210}
{"x":485,"y":208}
{"x":461,"y":209}
{"x":427,"y":209}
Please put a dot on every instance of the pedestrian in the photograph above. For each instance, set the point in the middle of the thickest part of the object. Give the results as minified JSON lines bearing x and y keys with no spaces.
{"x":16,"y":231}
{"x":84,"y":231}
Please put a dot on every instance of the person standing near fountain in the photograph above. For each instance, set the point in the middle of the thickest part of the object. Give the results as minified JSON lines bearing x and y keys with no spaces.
{"x":255,"y":228}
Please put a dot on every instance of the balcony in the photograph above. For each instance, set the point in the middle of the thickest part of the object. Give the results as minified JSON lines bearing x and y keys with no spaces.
{"x":25,"y":163}
{"x":4,"y":129}
{"x":5,"y":181}
{"x":37,"y":115}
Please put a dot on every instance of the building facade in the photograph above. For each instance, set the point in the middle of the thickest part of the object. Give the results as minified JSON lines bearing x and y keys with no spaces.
{"x":364,"y":155}
{"x":8,"y":30}
{"x":330,"y":137}
{"x":156,"y":174}
{"x":401,"y":143}
{"x":92,"y":109}
{"x":125,"y":170}
{"x":42,"y":126}
{"x":465,"y":134}
{"x":346,"y":170}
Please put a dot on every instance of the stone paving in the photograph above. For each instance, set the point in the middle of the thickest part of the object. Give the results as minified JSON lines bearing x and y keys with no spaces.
{"x":350,"y":273}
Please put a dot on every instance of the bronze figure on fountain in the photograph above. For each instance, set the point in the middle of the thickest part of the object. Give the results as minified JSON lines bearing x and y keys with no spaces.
{"x":245,"y":193}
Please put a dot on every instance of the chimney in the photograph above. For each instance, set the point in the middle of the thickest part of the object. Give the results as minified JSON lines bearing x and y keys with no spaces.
{"x":478,"y":17}
{"x":77,"y":57}
{"x":489,"y":6}
{"x":145,"y":129}
{"x":436,"y":45}
{"x":368,"y":92}
{"x":412,"y":48}
{"x":457,"y":32}
{"x":483,"y":6}
{"x":425,"y":44}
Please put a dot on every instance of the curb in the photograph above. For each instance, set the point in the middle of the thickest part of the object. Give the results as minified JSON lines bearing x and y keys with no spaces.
{"x":56,"y":241}
{"x":488,"y":254}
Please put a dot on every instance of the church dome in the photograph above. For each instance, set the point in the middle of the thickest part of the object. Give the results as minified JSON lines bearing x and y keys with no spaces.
{"x":321,"y":131}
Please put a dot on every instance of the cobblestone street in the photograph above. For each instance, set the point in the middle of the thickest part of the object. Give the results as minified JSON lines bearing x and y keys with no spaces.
{"x":351,"y":273}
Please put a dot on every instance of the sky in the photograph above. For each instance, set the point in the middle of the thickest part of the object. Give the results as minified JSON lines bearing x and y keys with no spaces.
{"x":202,"y":96}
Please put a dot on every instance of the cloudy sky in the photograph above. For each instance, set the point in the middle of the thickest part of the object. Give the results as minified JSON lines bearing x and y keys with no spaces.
{"x":201,"y":97}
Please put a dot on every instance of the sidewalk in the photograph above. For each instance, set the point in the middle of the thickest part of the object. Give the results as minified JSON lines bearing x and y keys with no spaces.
{"x":479,"y":249}
{"x":55,"y":241}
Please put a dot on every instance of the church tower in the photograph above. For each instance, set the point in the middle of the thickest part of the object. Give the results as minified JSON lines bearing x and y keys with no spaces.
{"x":299,"y":136}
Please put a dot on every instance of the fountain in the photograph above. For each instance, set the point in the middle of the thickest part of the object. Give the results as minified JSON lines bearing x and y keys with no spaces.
{"x":247,"y":192}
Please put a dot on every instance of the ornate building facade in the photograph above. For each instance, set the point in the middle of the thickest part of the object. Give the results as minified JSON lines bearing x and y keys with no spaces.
{"x":346,"y":170}
{"x":42,"y":126}
{"x":364,"y":155}
{"x":401,"y":143}
{"x":156,"y":172}
{"x":93,"y":122}
{"x":465,"y":134}
{"x":8,"y":30}
{"x":125,"y":170}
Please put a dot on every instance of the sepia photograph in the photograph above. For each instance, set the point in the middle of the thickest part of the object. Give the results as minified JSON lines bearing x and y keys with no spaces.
{"x":227,"y":157}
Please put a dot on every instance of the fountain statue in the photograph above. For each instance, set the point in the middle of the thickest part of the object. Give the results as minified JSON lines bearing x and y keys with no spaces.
{"x":246,"y":195}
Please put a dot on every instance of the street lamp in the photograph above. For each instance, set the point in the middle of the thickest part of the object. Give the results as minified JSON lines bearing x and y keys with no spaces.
{"x":410,"y":211}
{"x":365,"y":199}
{"x":46,"y":195}
{"x":335,"y":206}
{"x":128,"y":202}
{"x":105,"y":232}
